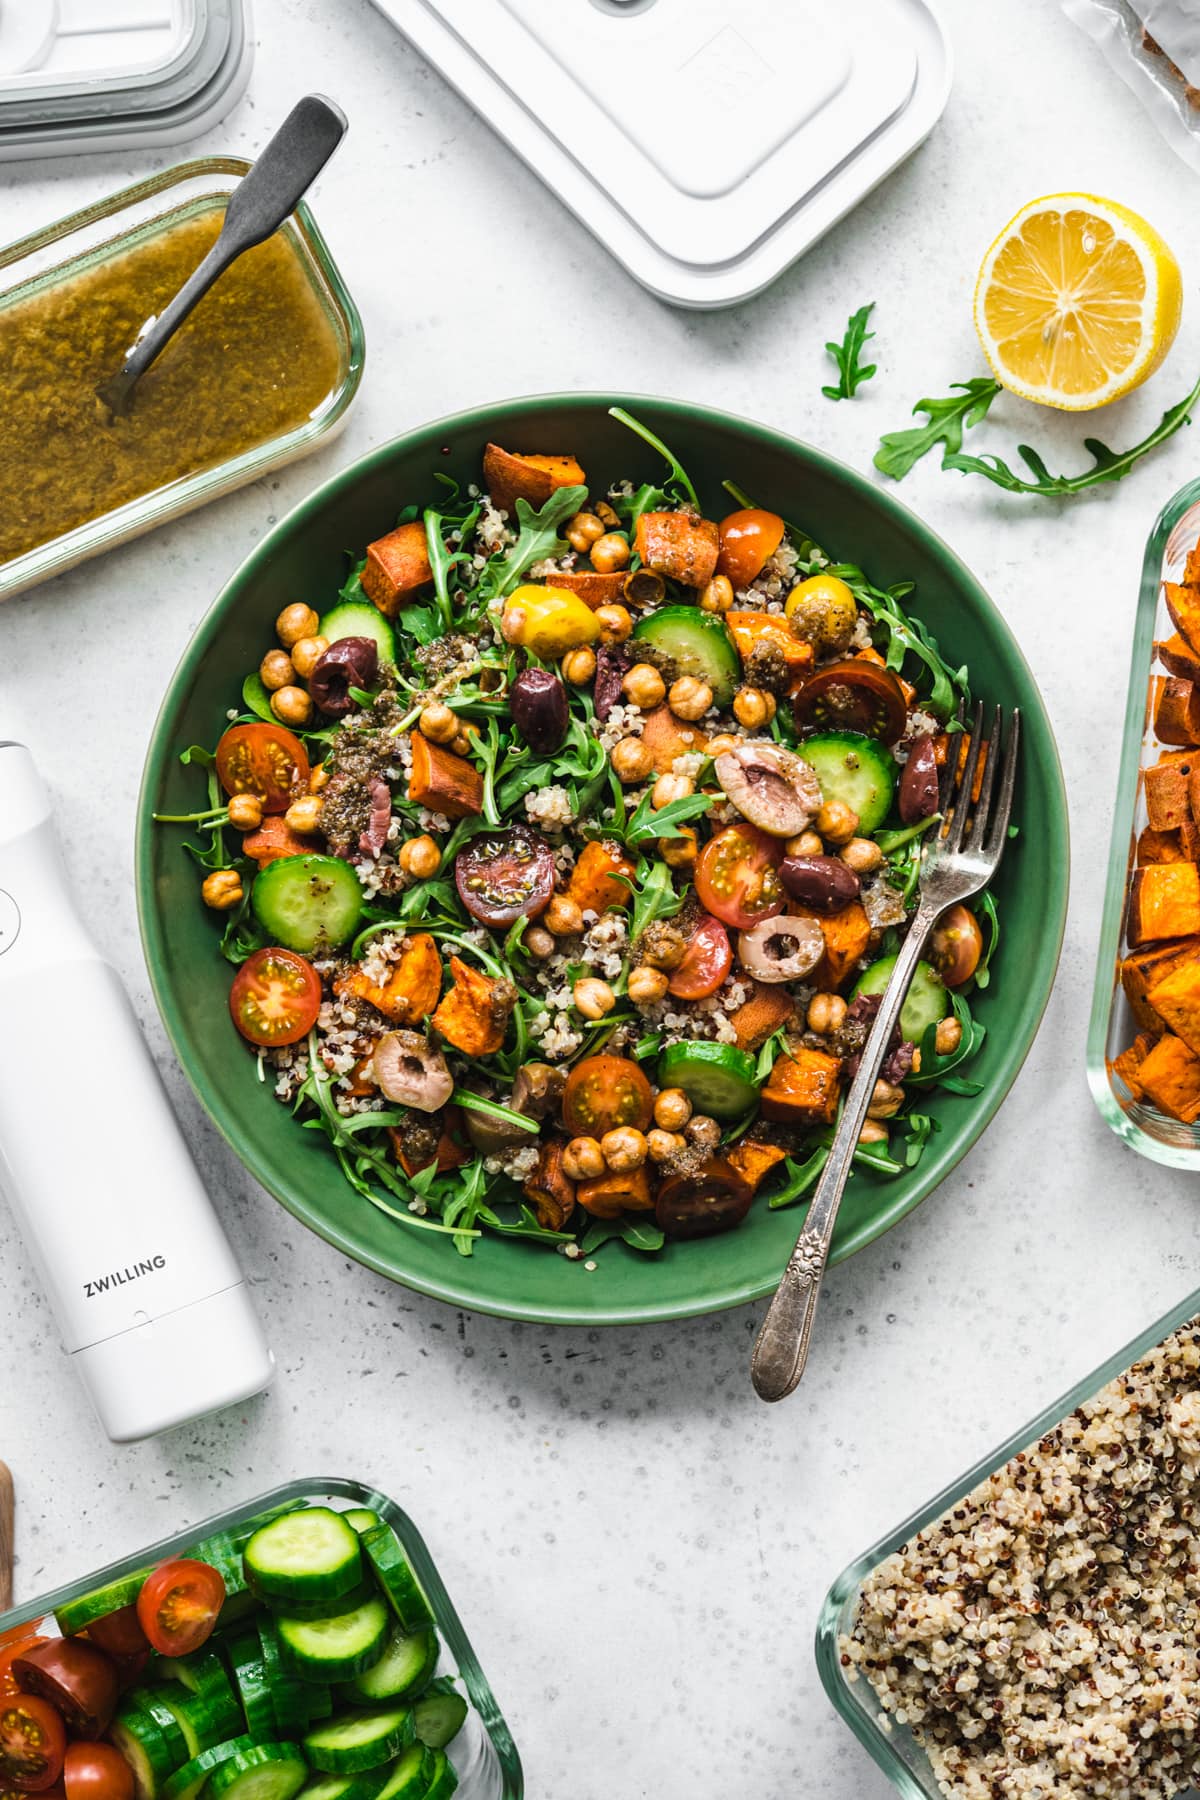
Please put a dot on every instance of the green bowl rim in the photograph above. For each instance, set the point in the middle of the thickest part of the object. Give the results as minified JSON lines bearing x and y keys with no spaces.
{"x":933,"y":1168}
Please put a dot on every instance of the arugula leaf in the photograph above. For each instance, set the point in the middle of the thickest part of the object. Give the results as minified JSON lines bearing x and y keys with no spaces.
{"x":537,"y":537}
{"x":639,"y":1234}
{"x":899,"y":450}
{"x":775,"y":1046}
{"x":985,"y":905}
{"x":654,"y":896}
{"x":851,"y":372}
{"x":647,"y":824}
{"x":935,"y":1069}
{"x":441,"y":561}
{"x":799,"y":1178}
{"x":256,"y":699}
{"x":678,"y":478}
{"x":906,"y":636}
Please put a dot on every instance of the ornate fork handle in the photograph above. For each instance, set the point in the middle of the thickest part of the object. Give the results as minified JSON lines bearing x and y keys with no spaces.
{"x":781,"y":1350}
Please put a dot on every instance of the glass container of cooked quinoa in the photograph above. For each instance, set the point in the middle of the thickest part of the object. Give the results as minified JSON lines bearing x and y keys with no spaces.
{"x":301,"y":1644}
{"x":262,"y":372}
{"x":1032,"y":1632}
{"x":1143,"y":1055}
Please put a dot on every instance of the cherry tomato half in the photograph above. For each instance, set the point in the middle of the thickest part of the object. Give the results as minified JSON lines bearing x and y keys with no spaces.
{"x":96,"y":1772}
{"x":178,"y":1605}
{"x":33,"y":1742}
{"x":77,"y":1679}
{"x":503,"y":876}
{"x":119,"y":1632}
{"x":706,"y":961}
{"x":956,"y":946}
{"x":854,"y":695}
{"x":603,"y":1092}
{"x":8,"y":1681}
{"x":275,"y":999}
{"x":264,"y":760}
{"x":736,"y":879}
{"x":748,"y":538}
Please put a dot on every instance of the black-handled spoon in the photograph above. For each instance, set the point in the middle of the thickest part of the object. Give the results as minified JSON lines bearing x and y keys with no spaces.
{"x":258,"y":205}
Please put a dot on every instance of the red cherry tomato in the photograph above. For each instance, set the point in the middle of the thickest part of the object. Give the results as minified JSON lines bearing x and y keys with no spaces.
{"x":736,"y":876}
{"x":178,"y":1605}
{"x":96,"y":1772}
{"x":275,"y":998}
{"x":119,"y":1632}
{"x":76,"y":1677}
{"x":264,"y":760}
{"x":748,"y":539}
{"x":956,"y":947}
{"x":33,"y":1742}
{"x":854,"y":695}
{"x":503,"y":876}
{"x":603,"y":1092}
{"x":706,"y":962}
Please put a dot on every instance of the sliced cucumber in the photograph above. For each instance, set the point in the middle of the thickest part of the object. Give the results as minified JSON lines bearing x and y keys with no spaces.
{"x":405,"y":1666}
{"x":855,"y":770}
{"x":310,"y":1555}
{"x":691,"y":642}
{"x":264,"y":1772}
{"x":145,"y":1748}
{"x":439,"y":1714}
{"x":320,"y":1702}
{"x":326,"y":1608}
{"x":410,"y":1775}
{"x":224,"y":1553}
{"x":361,"y":1519}
{"x":359,"y":1740}
{"x":237,"y":1609}
{"x":386,"y":1555}
{"x":158,"y":1705}
{"x":187,"y":1782}
{"x":365,"y":1786}
{"x":718,"y":1079}
{"x":307,"y":903}
{"x":289,"y":1695}
{"x":202,"y":1725}
{"x":248,"y":1668}
{"x":77,"y":1615}
{"x":442,"y":1780}
{"x":331,"y":1650}
{"x":205,"y":1676}
{"x":358,"y":618}
{"x":927,"y":1001}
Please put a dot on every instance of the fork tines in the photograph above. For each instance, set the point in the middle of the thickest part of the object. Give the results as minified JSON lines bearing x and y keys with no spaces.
{"x":973,"y":825}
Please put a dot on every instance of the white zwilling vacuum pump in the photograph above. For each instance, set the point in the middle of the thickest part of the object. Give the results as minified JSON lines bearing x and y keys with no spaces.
{"x":149,"y":1298}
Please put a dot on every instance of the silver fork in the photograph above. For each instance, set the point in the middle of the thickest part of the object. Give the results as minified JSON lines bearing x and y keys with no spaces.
{"x":960,"y":858}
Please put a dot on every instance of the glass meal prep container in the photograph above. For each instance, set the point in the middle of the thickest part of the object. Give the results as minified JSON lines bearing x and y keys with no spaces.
{"x":1113,"y":1027}
{"x":891,"y":1744}
{"x":258,"y":380}
{"x":483,"y":1753}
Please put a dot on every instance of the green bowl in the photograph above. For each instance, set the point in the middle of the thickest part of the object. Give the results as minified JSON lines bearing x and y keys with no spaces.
{"x":304,"y":558}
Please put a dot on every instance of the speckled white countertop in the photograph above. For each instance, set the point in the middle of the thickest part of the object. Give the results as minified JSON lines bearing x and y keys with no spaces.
{"x":637,"y":1545}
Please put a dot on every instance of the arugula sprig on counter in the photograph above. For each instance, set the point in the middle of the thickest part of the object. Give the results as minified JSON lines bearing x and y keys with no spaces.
{"x":851,"y":371}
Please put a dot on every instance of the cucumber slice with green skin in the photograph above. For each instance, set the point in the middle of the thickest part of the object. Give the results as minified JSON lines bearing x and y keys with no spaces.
{"x":202,"y":1725}
{"x":159,"y":1705}
{"x":249,"y":1671}
{"x":307,"y":903}
{"x":224,"y":1554}
{"x":856,"y":770}
{"x":325,"y":1608}
{"x":394,"y":1571}
{"x":361,"y":1518}
{"x":404,"y":1668}
{"x":145,"y":1748}
{"x":927,"y":1001}
{"x":358,"y":618}
{"x":187,"y":1782}
{"x":439,"y":1714}
{"x":236,"y":1610}
{"x":410,"y":1775}
{"x":77,"y":1615}
{"x":366,"y":1786}
{"x":359,"y":1740}
{"x":718,"y":1079}
{"x":320,"y":1702}
{"x":289,"y":1696}
{"x":443,"y":1780}
{"x":691,"y":642}
{"x":205,"y":1676}
{"x":264,"y":1772}
{"x":311,"y":1555}
{"x":330,"y":1650}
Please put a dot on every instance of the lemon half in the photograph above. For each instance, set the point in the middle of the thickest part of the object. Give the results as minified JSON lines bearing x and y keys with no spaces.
{"x":1077,"y":301}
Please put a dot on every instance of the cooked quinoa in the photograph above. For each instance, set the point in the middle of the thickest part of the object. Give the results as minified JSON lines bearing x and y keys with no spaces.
{"x":1042,"y":1638}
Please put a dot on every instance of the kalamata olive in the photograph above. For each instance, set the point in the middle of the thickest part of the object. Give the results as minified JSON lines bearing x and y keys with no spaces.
{"x":411,"y":1072}
{"x":349,"y":662}
{"x":75,"y":1677}
{"x":825,"y":883}
{"x":714,"y":1199}
{"x":613,"y":663}
{"x":919,"y":798}
{"x":538,"y":702}
{"x":782,"y":949}
{"x":537,"y":1087}
{"x":503,"y":876}
{"x":774,"y":788}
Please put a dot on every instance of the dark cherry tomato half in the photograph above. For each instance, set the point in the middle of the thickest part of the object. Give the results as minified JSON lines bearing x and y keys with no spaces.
{"x":96,"y":1772}
{"x":714,"y":1199}
{"x":503,"y":876}
{"x":275,"y":999}
{"x":119,"y":1632}
{"x":603,"y":1092}
{"x":77,"y":1679}
{"x":264,"y":760}
{"x":736,"y":878}
{"x":33,"y":1743}
{"x":956,"y":946}
{"x":179,"y":1604}
{"x":854,"y":695}
{"x":706,"y":961}
{"x":748,"y":539}
{"x":8,"y":1654}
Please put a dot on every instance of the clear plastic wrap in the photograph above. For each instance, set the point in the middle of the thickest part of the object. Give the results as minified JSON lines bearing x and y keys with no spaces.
{"x":1154,"y":46}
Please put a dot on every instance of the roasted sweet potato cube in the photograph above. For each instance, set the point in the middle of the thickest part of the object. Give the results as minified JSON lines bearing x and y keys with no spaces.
{"x":444,"y":782}
{"x":847,"y":937}
{"x":1170,"y":1079}
{"x":1166,"y":789}
{"x":1142,"y":969}
{"x":397,"y":568}
{"x":1183,"y":604}
{"x":754,"y":1162}
{"x":802,"y":1089}
{"x":593,"y":885}
{"x":550,"y":1190}
{"x":592,"y":588}
{"x":413,"y":984}
{"x":1159,"y":847}
{"x":667,"y":737}
{"x":474,"y":1014}
{"x":509,"y":477}
{"x":1129,"y":1064}
{"x":608,"y":1196}
{"x":1164,"y":902}
{"x":416,"y":1147}
{"x":679,"y":545}
{"x":1189,"y":841}
{"x":1175,"y":997}
{"x":770,"y":1005}
{"x":1191,"y":567}
{"x":1177,"y":712}
{"x":275,"y":838}
{"x":760,"y":634}
{"x":1178,"y":658}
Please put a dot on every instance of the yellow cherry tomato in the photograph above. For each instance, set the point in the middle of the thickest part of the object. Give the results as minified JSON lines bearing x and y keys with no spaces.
{"x":548,"y":621}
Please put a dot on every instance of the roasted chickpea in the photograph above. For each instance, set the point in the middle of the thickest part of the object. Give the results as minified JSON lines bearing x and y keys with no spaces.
{"x":608,"y":517}
{"x":563,"y":917}
{"x":583,"y":531}
{"x":593,"y":997}
{"x":826,"y":1013}
{"x":295,"y":622}
{"x":610,"y":553}
{"x":276,"y":670}
{"x":646,"y":985}
{"x":948,"y":1038}
{"x":291,"y":706}
{"x":438,"y":722}
{"x":615,"y":624}
{"x":662,"y":1145}
{"x":861,"y":855}
{"x":689,"y":698}
{"x":672,"y":1109}
{"x":307,"y":653}
{"x":304,"y":815}
{"x":579,"y":666}
{"x":631,"y":760}
{"x":886,"y":1100}
{"x":753,"y":707}
{"x":836,"y":822}
{"x":807,"y":844}
{"x":671,"y":787}
{"x":624,"y":1149}
{"x":873,"y":1132}
{"x":420,"y":857}
{"x":717,"y":746}
{"x":644,"y":687}
{"x":679,"y":852}
{"x":703,"y":1132}
{"x":583,"y":1159}
{"x":245,"y":812}
{"x":717,"y":595}
{"x":539,"y":943}
{"x":222,"y":890}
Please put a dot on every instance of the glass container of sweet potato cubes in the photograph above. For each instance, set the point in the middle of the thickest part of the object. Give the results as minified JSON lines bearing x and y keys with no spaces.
{"x":1144,"y":1034}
